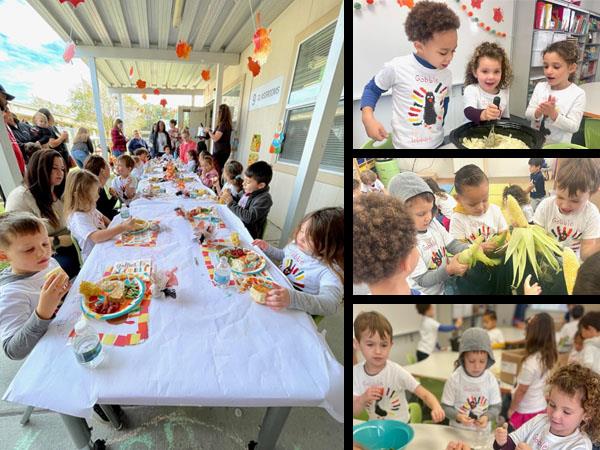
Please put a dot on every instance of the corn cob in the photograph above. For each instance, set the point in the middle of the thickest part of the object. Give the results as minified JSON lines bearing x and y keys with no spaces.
{"x":570,"y":268}
{"x":516,"y":213}
{"x":474,"y":253}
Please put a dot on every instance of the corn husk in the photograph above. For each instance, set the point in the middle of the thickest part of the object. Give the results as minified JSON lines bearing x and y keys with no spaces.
{"x":474,"y":253}
{"x":570,"y":268}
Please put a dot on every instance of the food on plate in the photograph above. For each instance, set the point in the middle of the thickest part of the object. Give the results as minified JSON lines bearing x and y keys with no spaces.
{"x":258,"y":292}
{"x":235,"y":238}
{"x":501,"y":141}
{"x":90,"y":289}
{"x":114,"y":293}
{"x":140,"y":224}
{"x":114,"y":289}
{"x":243,"y":260}
{"x":57,"y":270}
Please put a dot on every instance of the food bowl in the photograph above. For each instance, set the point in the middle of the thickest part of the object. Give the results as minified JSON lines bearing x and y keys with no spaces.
{"x":383,"y":434}
{"x":532,"y":138}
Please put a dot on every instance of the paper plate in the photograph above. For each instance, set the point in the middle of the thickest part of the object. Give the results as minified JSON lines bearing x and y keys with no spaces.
{"x":128,"y":306}
{"x":257,"y":269}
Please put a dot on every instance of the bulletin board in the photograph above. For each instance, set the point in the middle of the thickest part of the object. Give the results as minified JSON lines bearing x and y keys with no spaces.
{"x":378,"y":35}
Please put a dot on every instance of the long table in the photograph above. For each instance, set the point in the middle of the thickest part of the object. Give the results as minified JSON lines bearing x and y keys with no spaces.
{"x":207,"y":347}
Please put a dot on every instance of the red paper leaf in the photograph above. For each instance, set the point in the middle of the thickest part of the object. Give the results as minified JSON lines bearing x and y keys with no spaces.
{"x":156,"y":92}
{"x":72,"y":2}
{"x":183,"y":49}
{"x":69,"y":52}
{"x":141,"y":84}
{"x":206,"y":75}
{"x":163,"y":102}
{"x":253,"y":66}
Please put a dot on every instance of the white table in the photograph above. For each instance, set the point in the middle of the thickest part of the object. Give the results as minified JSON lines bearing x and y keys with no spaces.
{"x":207,"y":347}
{"x":512,"y":334}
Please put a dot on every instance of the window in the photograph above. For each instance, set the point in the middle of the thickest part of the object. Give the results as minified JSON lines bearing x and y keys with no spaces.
{"x":306,"y":83}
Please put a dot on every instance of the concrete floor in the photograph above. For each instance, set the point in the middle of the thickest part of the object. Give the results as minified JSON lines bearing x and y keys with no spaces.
{"x":178,"y":427}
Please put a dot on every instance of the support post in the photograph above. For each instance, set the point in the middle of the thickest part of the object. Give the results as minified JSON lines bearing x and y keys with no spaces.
{"x":98,"y":107}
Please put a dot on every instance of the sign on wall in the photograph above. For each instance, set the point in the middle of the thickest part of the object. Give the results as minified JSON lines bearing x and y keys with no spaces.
{"x":267,"y":94}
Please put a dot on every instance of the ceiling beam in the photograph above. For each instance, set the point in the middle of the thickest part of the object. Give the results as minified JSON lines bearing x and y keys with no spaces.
{"x":228,"y":59}
{"x":148,"y":91}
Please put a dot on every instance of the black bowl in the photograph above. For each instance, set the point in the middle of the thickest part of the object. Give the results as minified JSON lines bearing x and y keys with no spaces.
{"x":532,"y":138}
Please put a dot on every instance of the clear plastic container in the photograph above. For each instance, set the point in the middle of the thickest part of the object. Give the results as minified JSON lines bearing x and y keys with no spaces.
{"x":86,"y":344}
{"x":222,"y":273}
{"x":124,"y":212}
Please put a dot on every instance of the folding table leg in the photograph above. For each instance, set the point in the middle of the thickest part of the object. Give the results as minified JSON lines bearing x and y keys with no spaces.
{"x":271,"y":427}
{"x":26,"y":415}
{"x":115,"y":421}
{"x":79,"y":431}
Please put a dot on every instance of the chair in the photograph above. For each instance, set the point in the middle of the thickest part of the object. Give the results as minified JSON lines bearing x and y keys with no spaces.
{"x":76,"y":244}
{"x":411,"y":358}
{"x":436,"y":387}
{"x":415,"y":413}
{"x":591,"y":129}
{"x":380,"y":145}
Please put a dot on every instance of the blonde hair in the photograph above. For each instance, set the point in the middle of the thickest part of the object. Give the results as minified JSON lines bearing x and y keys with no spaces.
{"x":77,"y":191}
{"x":16,"y":224}
{"x":39,"y":114}
{"x":82,"y":135}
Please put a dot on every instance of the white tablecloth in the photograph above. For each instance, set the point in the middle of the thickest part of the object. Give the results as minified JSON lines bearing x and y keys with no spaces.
{"x":207,"y":347}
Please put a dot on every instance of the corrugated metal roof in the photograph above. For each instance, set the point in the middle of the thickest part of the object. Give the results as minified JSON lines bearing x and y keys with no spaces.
{"x":140,"y":33}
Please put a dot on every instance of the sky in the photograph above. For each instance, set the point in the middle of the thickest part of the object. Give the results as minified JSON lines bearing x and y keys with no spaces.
{"x":31,"y":62}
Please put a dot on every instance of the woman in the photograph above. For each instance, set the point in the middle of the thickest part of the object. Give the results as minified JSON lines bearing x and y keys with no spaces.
{"x":41,"y":194}
{"x":222,"y":137}
{"x":58,"y":140}
{"x":151,"y":140}
{"x":118,"y":138}
{"x":99,"y":167}
{"x":82,"y":146}
{"x":161,"y":139}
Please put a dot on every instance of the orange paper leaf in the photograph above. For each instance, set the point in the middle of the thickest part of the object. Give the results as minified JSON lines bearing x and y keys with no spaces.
{"x":253,"y":66}
{"x":206,"y":75}
{"x":183,"y":50}
{"x":141,"y":84}
{"x":144,"y":96}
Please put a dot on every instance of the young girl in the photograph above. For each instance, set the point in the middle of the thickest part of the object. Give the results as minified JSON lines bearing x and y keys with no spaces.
{"x":193,"y":162}
{"x":569,"y":215}
{"x":570,"y":419}
{"x":443,"y":201}
{"x":313,"y":262}
{"x":522,"y":199}
{"x":209,"y":172}
{"x":528,"y":399}
{"x":186,"y":146}
{"x":125,"y":184}
{"x":138,"y":169}
{"x":370,"y":182}
{"x":233,"y":179}
{"x":87,"y":224}
{"x":471,"y":395}
{"x":557,"y":105}
{"x":488,"y":76}
{"x":41,"y":132}
{"x":429,"y":329}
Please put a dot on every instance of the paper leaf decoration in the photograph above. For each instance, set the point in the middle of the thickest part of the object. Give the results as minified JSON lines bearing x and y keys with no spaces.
{"x":253,"y":66}
{"x":262,"y":42}
{"x":409,"y":3}
{"x":156,"y":92}
{"x":205,"y":75}
{"x":141,"y":84}
{"x":498,"y":15}
{"x":131,"y":72}
{"x":183,"y":50}
{"x":476,"y":3}
{"x":144,"y":96}
{"x":163,"y":102}
{"x":72,"y":2}
{"x":69,"y":52}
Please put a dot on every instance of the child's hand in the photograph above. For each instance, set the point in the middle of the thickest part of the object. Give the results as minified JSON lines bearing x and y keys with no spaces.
{"x":438,"y":414}
{"x":263,"y":245}
{"x":458,"y":446}
{"x":547,"y":108}
{"x":112,"y":192}
{"x":278,"y":298}
{"x":55,"y":287}
{"x":502,"y":435}
{"x":458,"y":322}
{"x":482,"y":421}
{"x":226,"y":196}
{"x":370,"y":395}
{"x":531,"y":290}
{"x":375,"y":130}
{"x":462,"y":418}
{"x":456,"y":268}
{"x":488,"y":246}
{"x":127,"y":225}
{"x":492,"y":112}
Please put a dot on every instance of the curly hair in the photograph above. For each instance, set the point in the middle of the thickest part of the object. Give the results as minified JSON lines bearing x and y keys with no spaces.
{"x":517,"y":192}
{"x":568,"y":51}
{"x":427,"y":18}
{"x":574,"y":378}
{"x":384,"y":235}
{"x":493,"y":51}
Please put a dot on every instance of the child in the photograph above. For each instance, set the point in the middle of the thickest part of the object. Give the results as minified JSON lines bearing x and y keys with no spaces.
{"x":420,"y":82}
{"x":569,"y":215}
{"x":379,"y":384}
{"x":138,"y":170}
{"x":556,"y":106}
{"x":254,"y":205}
{"x":443,"y":201}
{"x":540,"y":346}
{"x":471,"y":395}
{"x":477,"y":217}
{"x":144,"y":156}
{"x":564,"y":338}
{"x":537,"y":185}
{"x":386,"y":254}
{"x":570,"y":419}
{"x":87,"y":224}
{"x":495,"y":334}
{"x":193,"y":161}
{"x":41,"y":132}
{"x":125,"y":184}
{"x":433,"y":241}
{"x":522,"y":199}
{"x":234,"y":180}
{"x":314,"y":264}
{"x":589,"y":326}
{"x":576,"y":355}
{"x":488,"y":76}
{"x":186,"y":145}
{"x":429,"y":330}
{"x":587,"y":281}
{"x":370,"y":182}
{"x":31,"y":289}
{"x":209,"y":172}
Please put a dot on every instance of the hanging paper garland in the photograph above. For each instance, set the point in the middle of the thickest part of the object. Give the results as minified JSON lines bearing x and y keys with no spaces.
{"x":205,"y":75}
{"x":69,"y":52}
{"x":72,"y":2}
{"x":183,"y":50}
{"x":262,"y":42}
{"x":156,"y":92}
{"x":253,"y":66}
{"x":484,"y":26}
{"x":141,"y":84}
{"x":163,"y":102}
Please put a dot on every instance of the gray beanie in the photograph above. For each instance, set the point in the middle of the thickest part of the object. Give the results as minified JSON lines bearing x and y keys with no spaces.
{"x":406,"y":185}
{"x":476,"y":340}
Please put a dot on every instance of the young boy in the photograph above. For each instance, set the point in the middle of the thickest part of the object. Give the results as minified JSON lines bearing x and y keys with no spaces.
{"x":429,"y":330}
{"x":254,"y":206}
{"x":433,"y":241}
{"x":370,"y":182}
{"x":569,"y":215}
{"x":420,"y":82}
{"x":475,"y":216}
{"x":564,"y":337}
{"x":386,"y":253}
{"x":489,"y":323}
{"x":379,"y":384}
{"x":144,"y":156}
{"x":537,"y":183}
{"x":589,"y":326}
{"x":125,"y":184}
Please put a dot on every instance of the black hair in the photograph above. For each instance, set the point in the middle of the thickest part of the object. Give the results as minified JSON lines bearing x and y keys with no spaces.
{"x":260,"y":171}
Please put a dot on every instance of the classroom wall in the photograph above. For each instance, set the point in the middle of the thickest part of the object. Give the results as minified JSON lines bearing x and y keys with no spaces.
{"x":301,"y":19}
{"x":446,"y":167}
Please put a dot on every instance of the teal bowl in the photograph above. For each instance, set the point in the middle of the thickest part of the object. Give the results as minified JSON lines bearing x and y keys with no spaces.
{"x":383,"y":434}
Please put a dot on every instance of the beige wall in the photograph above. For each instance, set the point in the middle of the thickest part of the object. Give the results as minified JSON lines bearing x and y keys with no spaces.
{"x":301,"y":19}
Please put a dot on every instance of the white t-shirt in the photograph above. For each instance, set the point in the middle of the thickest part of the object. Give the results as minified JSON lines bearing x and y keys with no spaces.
{"x":532,"y":374}
{"x":119,"y":184}
{"x":536,"y":433}
{"x":570,"y":105}
{"x":569,"y":229}
{"x":464,"y":227}
{"x":432,"y":248}
{"x":418,"y":95}
{"x":528,"y":211}
{"x":496,"y":336}
{"x":446,"y":205}
{"x":567,"y":333}
{"x":428,"y":333}
{"x":591,"y":354}
{"x":378,"y":187}
{"x":471,"y":396}
{"x":476,"y":97}
{"x":305,"y":272}
{"x":82,"y":224}
{"x":395,"y":380}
